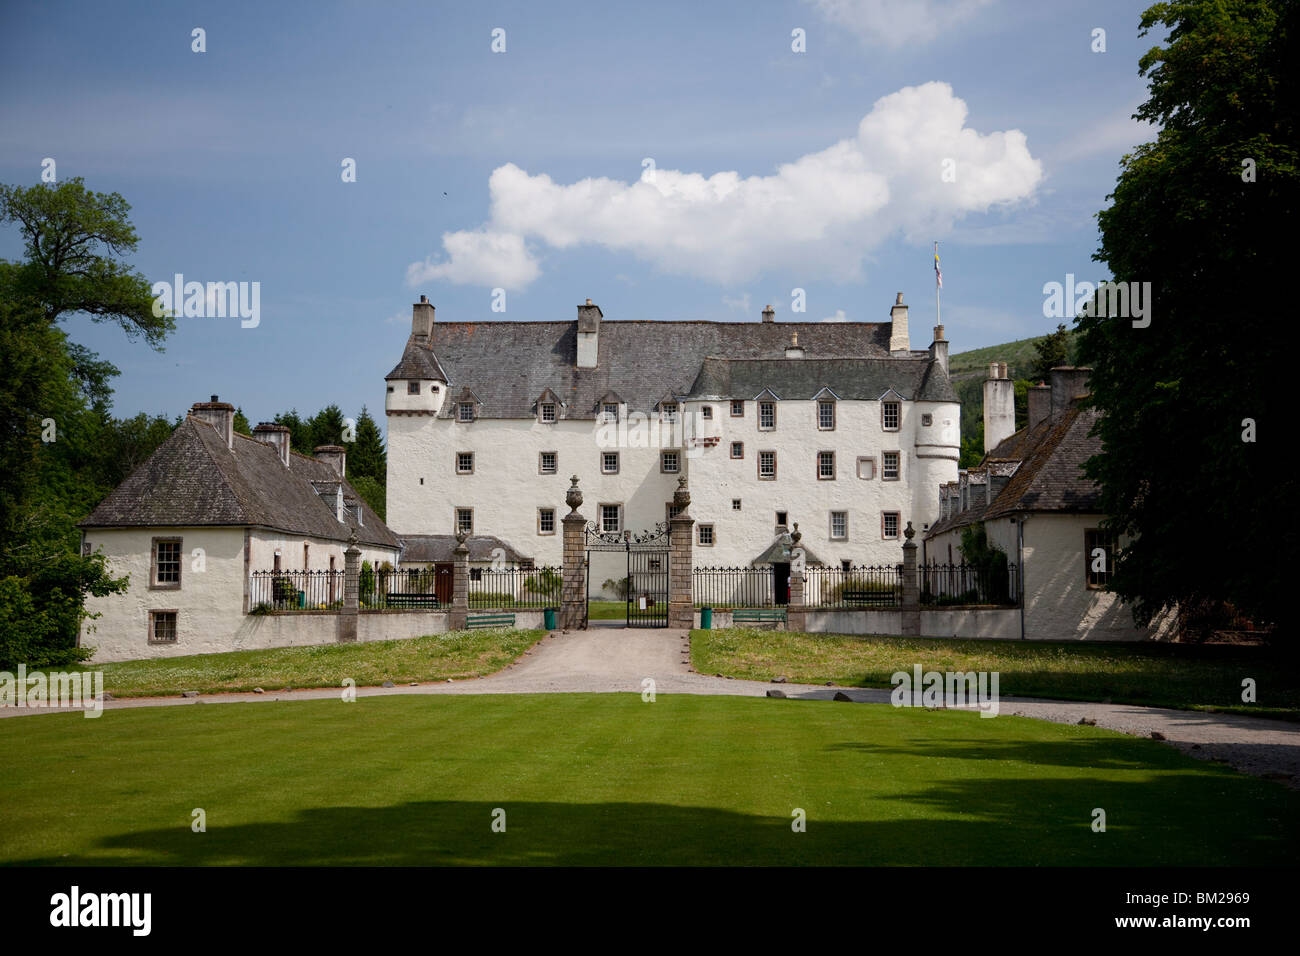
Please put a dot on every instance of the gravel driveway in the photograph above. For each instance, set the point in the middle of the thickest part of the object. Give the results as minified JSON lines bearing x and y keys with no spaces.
{"x":610,"y":660}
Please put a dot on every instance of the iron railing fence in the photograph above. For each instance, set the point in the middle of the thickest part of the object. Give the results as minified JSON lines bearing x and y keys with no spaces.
{"x":865,"y":586}
{"x":396,"y":588}
{"x":295,"y":590}
{"x":724,"y":588}
{"x":515,"y":587}
{"x":946,"y":585}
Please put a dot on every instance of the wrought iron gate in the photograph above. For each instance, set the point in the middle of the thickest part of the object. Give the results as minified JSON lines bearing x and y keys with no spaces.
{"x":646,"y":582}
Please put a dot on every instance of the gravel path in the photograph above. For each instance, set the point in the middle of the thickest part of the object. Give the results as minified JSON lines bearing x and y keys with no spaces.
{"x":608,"y":660}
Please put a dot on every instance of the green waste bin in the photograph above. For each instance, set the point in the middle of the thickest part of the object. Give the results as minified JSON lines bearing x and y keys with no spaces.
{"x":706,"y":618}
{"x":302,"y":599}
{"x":549,"y":618}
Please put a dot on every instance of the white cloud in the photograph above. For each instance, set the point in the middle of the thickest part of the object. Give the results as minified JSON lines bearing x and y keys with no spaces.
{"x":897,"y":23}
{"x":818,"y":215}
{"x":839,"y":316}
{"x":480,"y":257}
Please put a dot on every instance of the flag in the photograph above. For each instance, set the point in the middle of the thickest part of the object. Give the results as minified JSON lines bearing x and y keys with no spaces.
{"x":938,"y":276}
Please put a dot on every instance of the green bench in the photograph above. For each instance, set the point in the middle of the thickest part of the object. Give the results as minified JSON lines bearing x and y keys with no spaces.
{"x":758,"y":615}
{"x":505,"y":619}
{"x":403,"y":599}
{"x":869,"y":598}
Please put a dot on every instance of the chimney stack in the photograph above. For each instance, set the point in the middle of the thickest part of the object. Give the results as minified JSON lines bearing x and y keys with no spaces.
{"x":769,"y":314}
{"x":336,"y":456}
{"x":220,"y":415}
{"x":999,"y":407}
{"x":277,"y":436}
{"x":794,"y":350}
{"x":589,"y":317}
{"x":1068,"y":383}
{"x":898,"y":340}
{"x":422,"y":318}
{"x":1040,"y":403}
{"x":939,"y":348}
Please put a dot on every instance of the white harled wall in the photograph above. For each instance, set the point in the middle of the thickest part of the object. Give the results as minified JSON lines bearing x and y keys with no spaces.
{"x":506,"y":490}
{"x":210,"y":601}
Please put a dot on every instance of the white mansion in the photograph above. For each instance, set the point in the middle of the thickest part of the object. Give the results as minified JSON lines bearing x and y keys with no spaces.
{"x":841,"y":428}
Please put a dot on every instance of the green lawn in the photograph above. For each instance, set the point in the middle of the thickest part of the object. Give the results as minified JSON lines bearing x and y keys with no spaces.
{"x":607,"y":779}
{"x":606,"y":610}
{"x":458,"y":654}
{"x":1194,"y":678}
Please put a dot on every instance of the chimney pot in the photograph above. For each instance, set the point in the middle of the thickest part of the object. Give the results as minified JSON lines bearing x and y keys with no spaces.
{"x":899,"y":299}
{"x":769,"y":315}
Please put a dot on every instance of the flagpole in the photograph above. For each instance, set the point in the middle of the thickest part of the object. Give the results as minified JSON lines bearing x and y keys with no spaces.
{"x":938,"y":284}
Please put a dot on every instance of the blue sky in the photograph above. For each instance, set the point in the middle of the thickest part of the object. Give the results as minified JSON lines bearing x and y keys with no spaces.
{"x":523,"y":169}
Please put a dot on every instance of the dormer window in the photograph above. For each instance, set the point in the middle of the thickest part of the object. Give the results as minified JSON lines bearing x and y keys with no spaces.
{"x":890,"y":413}
{"x":547,"y":413}
{"x":826,"y":415}
{"x":669,"y":411}
{"x":609,"y":412}
{"x":465,"y":412}
{"x":766,"y":416}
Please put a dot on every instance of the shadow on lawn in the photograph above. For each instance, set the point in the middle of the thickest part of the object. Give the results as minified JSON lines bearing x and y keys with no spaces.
{"x":1153,"y":818}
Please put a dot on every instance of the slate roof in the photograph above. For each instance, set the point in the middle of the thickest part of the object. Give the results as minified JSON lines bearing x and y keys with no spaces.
{"x":860,"y":379}
{"x":193,"y":480}
{"x":509,"y":364}
{"x":418,"y":362}
{"x":1050,"y":476}
{"x":433,"y":548}
{"x":775,"y":553}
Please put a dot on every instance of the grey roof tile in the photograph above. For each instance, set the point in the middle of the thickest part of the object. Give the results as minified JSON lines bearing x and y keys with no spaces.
{"x":193,"y":480}
{"x":508,"y":365}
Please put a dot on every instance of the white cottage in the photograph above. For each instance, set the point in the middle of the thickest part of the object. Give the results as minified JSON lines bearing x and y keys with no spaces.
{"x":1037,"y":506}
{"x":842,"y":428}
{"x":193,"y":523}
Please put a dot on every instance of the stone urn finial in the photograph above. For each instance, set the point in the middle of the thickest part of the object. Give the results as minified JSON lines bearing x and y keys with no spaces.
{"x":573,"y":497}
{"x":461,"y":538}
{"x":681,"y":497}
{"x":795,"y":535}
{"x":908,"y":533}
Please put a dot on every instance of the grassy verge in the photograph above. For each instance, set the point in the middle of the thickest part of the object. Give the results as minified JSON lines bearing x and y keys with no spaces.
{"x":1189,"y":678}
{"x":458,"y":654}
{"x":607,"y":779}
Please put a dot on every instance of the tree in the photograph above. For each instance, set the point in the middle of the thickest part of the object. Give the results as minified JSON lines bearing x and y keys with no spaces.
{"x":325,"y":428}
{"x":1052,"y":350}
{"x":241,"y":423}
{"x":60,"y":450}
{"x":366,"y":455}
{"x":73,"y":239}
{"x":1192,"y":397}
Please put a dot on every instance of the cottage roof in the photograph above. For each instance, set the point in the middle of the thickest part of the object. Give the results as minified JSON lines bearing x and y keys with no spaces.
{"x":431,"y":548}
{"x":1050,"y":475}
{"x":193,"y":480}
{"x":508,"y":364}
